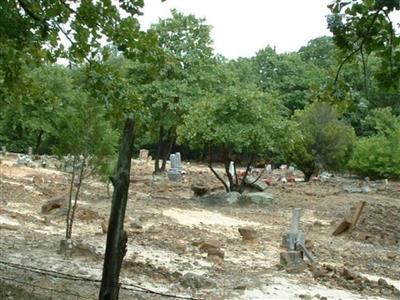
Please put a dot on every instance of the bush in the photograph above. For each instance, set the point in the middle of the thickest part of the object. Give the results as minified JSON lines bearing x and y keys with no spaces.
{"x":378,"y":156}
{"x":322,"y":141}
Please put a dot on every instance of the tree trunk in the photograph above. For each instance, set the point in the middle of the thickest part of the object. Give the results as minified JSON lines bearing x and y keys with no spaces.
{"x":71,"y":189}
{"x":78,"y":188}
{"x":39,"y":141}
{"x":171,"y":144}
{"x":159,"y":151}
{"x":215,"y":173}
{"x":116,"y":236}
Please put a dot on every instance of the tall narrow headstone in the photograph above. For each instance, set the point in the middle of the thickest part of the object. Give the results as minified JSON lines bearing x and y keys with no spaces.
{"x":172,"y":159}
{"x":30,"y":151}
{"x":178,"y":161}
{"x":174,"y":173}
{"x":268,"y":168}
{"x":232,"y":169}
{"x":4,"y":151}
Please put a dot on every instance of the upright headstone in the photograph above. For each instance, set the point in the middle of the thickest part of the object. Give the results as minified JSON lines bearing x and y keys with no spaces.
{"x":232,"y":169}
{"x":178,"y":161}
{"x":172,"y":159}
{"x":143,"y":154}
{"x":4,"y":151}
{"x":268,"y":168}
{"x":174,"y":173}
{"x":30,"y":151}
{"x":291,"y":170}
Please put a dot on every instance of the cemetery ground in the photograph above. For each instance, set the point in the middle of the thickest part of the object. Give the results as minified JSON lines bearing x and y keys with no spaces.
{"x":189,"y":246}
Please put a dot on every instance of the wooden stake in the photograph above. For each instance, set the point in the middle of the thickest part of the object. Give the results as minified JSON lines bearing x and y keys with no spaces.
{"x":116,"y":236}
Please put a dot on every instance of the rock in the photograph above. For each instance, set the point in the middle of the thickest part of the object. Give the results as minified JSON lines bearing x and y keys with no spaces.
{"x":347,"y":274}
{"x":309,"y":244}
{"x":136,"y":224}
{"x":38,"y":180}
{"x":199,"y":189}
{"x":46,"y":221}
{"x":196,"y":281}
{"x":53,"y":203}
{"x":215,"y":259}
{"x":391,"y":255}
{"x":248,"y":233}
{"x":180,"y":246}
{"x":351,"y":189}
{"x":211,"y":249}
{"x":261,"y":198}
{"x":366,"y":189}
{"x":104,"y":227}
{"x":382,"y":282}
{"x":222,"y":198}
{"x":251,"y":181}
{"x":296,"y":268}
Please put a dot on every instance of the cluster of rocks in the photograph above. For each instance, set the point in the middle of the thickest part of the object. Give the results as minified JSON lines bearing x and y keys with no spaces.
{"x":341,"y":276}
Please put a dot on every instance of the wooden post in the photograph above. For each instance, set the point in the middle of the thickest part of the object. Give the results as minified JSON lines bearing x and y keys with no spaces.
{"x":116,"y":236}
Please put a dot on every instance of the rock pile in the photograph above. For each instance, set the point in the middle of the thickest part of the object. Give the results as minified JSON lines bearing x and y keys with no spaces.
{"x":341,"y":276}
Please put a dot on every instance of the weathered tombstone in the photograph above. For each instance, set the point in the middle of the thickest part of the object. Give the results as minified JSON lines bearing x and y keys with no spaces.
{"x":143,"y":154}
{"x":44,"y":161}
{"x":291,"y":170}
{"x":268,"y":168}
{"x":294,"y":242}
{"x":30,"y":151}
{"x":283,"y":167}
{"x":178,"y":161}
{"x":4,"y":151}
{"x":174,"y":173}
{"x":232,"y":169}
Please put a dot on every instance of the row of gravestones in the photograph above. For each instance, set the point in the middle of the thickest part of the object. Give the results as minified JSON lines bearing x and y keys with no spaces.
{"x":26,"y":159}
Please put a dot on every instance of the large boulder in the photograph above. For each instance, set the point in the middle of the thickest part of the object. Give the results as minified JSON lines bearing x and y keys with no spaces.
{"x":254,"y":183}
{"x":261,"y":198}
{"x":222,"y":198}
{"x":196,"y":281}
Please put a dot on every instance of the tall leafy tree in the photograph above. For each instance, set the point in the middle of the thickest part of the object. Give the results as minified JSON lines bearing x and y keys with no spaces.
{"x":237,"y":119}
{"x":286,"y":75}
{"x":175,"y":78}
{"x":365,"y":27}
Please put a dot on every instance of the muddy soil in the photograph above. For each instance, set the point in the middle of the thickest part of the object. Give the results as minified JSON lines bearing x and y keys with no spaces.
{"x":179,"y":244}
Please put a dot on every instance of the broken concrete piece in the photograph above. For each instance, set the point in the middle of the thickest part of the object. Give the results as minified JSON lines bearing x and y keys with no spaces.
{"x":261,"y":198}
{"x":251,"y":181}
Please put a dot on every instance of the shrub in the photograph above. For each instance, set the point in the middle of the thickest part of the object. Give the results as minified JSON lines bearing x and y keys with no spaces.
{"x":322,"y":141}
{"x":378,"y":156}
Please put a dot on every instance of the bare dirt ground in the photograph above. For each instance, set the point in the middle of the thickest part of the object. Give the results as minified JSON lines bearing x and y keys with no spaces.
{"x":167,"y":230}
